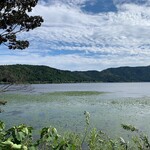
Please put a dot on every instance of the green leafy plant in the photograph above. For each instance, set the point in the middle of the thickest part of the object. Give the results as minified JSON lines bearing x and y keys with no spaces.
{"x":21,"y":138}
{"x":17,"y":137}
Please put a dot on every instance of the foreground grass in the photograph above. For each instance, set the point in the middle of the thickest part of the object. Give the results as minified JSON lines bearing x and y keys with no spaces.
{"x":21,"y":138}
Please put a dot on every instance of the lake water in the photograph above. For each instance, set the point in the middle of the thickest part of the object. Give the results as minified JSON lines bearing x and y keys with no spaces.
{"x":63,"y":105}
{"x":131,"y":89}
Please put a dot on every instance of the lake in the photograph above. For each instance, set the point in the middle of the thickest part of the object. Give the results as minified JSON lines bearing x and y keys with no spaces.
{"x":63,"y":106}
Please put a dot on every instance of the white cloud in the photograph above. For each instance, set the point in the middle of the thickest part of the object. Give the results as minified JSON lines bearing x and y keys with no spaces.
{"x":67,"y":2}
{"x":99,"y":41}
{"x":144,"y":2}
{"x":127,"y":29}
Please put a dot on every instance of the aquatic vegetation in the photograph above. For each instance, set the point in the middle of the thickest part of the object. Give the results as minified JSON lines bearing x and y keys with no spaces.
{"x":46,"y":96}
{"x":131,"y":101}
{"x":80,"y":93}
{"x":63,"y":109}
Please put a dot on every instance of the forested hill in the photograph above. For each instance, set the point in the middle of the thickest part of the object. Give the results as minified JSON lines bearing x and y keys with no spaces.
{"x":44,"y":74}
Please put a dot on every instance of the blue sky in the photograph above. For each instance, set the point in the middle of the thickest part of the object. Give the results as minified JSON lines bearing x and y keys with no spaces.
{"x":87,"y":35}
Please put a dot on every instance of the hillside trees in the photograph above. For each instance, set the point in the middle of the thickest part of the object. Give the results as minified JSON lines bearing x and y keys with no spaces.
{"x":15,"y":18}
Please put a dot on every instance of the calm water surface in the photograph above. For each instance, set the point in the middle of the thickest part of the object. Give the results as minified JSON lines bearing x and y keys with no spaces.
{"x":118,"y":89}
{"x":63,"y":105}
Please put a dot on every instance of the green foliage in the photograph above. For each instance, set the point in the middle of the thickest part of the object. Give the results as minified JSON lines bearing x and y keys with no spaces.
{"x":44,"y":74}
{"x":129,"y":127}
{"x":21,"y":138}
{"x":100,"y":141}
{"x":87,"y":120}
{"x":126,"y":74}
{"x":17,"y":137}
{"x":36,"y":74}
{"x":14,"y":18}
{"x":50,"y":139}
{"x":142,"y":142}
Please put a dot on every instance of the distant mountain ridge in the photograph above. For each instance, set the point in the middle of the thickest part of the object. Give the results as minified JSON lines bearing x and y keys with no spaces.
{"x":45,"y":74}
